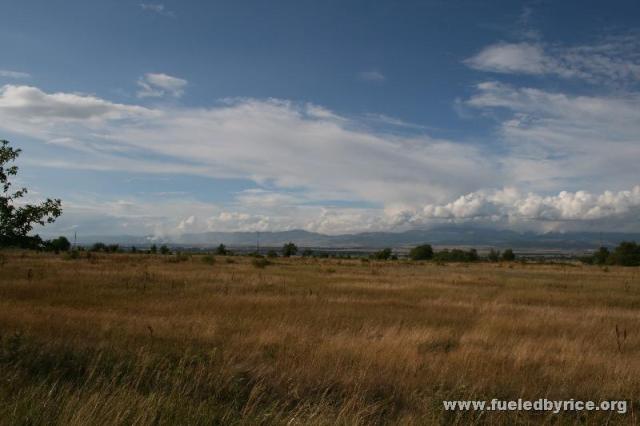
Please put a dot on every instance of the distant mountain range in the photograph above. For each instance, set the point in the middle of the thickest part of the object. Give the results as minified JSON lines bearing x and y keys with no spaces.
{"x":441,"y":236}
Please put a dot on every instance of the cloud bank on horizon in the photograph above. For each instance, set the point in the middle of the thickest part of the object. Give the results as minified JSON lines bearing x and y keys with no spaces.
{"x":557,"y":156}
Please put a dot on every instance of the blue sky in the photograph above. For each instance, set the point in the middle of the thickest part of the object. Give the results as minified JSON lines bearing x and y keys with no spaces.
{"x":333,"y":116}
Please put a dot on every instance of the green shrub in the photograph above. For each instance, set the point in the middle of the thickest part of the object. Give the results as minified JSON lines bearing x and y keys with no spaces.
{"x":421,"y":252}
{"x":99,"y":247}
{"x":260,"y":262}
{"x":626,"y":254}
{"x":179,"y":257}
{"x":58,"y":244}
{"x":72,"y":255}
{"x":493,"y":256}
{"x":508,"y":255}
{"x":289,"y":249}
{"x":456,"y":255}
{"x":272,"y":253}
{"x":601,"y":256}
{"x":383,"y":254}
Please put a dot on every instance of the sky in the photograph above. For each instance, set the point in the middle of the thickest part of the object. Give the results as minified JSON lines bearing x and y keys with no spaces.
{"x":330,"y":116}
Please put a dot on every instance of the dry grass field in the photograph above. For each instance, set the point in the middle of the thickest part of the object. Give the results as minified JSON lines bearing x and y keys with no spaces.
{"x":141,"y":339}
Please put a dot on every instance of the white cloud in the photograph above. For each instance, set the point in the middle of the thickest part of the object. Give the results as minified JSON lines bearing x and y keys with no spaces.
{"x":290,"y":145}
{"x":158,"y":8}
{"x":14,"y":74}
{"x":372,"y":75}
{"x":173,"y":215}
{"x":510,"y":206}
{"x":611,"y":61}
{"x":311,"y":156}
{"x":155,"y":85}
{"x":504,"y":208}
{"x":555,"y":140}
{"x":27,"y":103}
{"x":260,"y":198}
{"x":512,"y":58}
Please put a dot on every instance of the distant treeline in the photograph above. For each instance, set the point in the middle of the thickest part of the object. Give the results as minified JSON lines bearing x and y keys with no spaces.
{"x":426,"y":252}
{"x":626,"y":254}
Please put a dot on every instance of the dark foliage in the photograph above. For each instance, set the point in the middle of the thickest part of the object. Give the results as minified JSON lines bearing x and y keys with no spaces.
{"x":421,"y":252}
{"x":17,"y":221}
{"x":57,"y":244}
{"x":289,"y":249}
{"x":508,"y":255}
{"x":493,"y":256}
{"x":626,"y":254}
{"x":456,"y":255}
{"x":384,"y":254}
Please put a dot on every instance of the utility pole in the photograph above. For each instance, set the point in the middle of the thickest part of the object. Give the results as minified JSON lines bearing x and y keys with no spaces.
{"x":257,"y":242}
{"x":75,"y":239}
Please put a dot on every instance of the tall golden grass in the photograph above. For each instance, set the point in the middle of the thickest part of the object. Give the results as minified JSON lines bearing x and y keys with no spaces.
{"x":137,"y":339}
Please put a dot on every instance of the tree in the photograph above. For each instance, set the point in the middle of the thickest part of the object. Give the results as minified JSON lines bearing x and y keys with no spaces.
{"x":153,"y":249}
{"x":99,"y":247}
{"x":58,"y":244}
{"x":17,"y":222}
{"x":601,"y":256}
{"x":289,"y":249}
{"x":626,"y":254}
{"x":221,"y":250}
{"x":165,"y":250}
{"x":383,"y":254}
{"x":272,"y":253}
{"x":493,"y":256}
{"x":456,"y":255}
{"x":307,"y":252}
{"x":508,"y":255}
{"x":421,"y":252}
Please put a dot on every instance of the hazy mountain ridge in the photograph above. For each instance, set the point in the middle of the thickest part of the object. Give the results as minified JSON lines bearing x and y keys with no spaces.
{"x":443,"y":236}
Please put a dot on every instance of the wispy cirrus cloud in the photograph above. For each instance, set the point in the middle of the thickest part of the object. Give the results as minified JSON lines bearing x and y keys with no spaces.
{"x":612,"y":60}
{"x":306,"y":146}
{"x":555,"y":140}
{"x":372,"y":76}
{"x":158,"y":8}
{"x":17,"y":75}
{"x":311,"y":156}
{"x":156,"y":85}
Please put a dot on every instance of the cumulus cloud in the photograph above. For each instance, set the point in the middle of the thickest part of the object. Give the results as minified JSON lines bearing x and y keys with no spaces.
{"x":156,"y":85}
{"x":509,"y":207}
{"x":613,"y":60}
{"x":504,"y":208}
{"x":512,"y":205}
